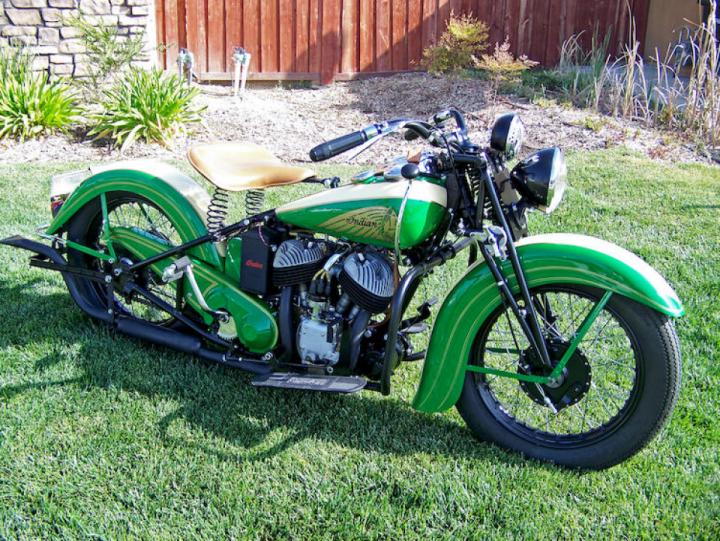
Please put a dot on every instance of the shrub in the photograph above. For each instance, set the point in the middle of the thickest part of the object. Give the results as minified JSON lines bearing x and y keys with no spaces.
{"x":146,"y":105}
{"x":30,"y":105}
{"x":463,"y":38}
{"x":502,"y":67}
{"x":107,"y":52}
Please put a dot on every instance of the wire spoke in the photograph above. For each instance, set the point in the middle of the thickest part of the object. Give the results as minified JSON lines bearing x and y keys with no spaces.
{"x":606,"y":346}
{"x":146,"y":218}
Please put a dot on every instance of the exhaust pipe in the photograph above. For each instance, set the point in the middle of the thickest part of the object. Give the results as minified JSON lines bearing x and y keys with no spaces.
{"x":186,"y":344}
{"x":142,"y":330}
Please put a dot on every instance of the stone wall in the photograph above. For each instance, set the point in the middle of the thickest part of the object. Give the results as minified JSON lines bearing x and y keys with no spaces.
{"x":41,"y":26}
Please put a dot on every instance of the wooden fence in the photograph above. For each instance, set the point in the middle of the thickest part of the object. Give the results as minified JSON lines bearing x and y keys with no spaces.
{"x":341,"y":39}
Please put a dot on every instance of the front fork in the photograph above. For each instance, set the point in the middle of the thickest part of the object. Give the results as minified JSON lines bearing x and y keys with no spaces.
{"x":489,"y":246}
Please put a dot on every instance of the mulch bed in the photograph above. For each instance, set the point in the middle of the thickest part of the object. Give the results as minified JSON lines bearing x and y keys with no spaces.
{"x":289,"y":122}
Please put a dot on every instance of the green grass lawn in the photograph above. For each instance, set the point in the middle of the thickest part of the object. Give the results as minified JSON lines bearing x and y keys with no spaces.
{"x":105,"y":437}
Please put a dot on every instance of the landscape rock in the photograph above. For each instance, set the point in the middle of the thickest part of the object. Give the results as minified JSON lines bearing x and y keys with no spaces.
{"x":29,"y":3}
{"x":95,"y":7}
{"x":48,"y":36}
{"x":23,"y":17}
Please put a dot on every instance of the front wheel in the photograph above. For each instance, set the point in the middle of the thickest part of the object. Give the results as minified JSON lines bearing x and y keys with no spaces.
{"x":614,"y":395}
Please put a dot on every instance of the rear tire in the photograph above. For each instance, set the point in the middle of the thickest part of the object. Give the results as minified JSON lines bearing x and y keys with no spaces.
{"x":129,"y":210}
{"x":628,"y":364}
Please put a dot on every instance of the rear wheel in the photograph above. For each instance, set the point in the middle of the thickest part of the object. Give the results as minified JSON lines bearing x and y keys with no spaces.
{"x":615,"y":393}
{"x":138,"y":213}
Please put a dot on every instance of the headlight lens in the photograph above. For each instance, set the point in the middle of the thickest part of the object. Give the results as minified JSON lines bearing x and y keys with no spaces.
{"x":541,"y":178}
{"x":507,"y":135}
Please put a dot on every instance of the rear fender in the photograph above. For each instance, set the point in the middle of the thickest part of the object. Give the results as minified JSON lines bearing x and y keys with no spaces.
{"x":180,"y":197}
{"x":546,"y":259}
{"x":255,"y":324}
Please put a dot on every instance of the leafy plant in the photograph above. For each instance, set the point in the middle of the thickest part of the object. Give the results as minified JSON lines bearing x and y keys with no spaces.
{"x":30,"y":105}
{"x":146,"y":105}
{"x":575,"y":78}
{"x":502,"y":67}
{"x":463,"y":38}
{"x":108,"y":53}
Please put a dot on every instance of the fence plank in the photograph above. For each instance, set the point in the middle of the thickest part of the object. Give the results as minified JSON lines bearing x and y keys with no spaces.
{"x":181,"y":25}
{"x":367,"y":35}
{"x":349,"y":37}
{"x":399,"y":35}
{"x":641,"y":12}
{"x":414,"y":33}
{"x":511,"y":22}
{"x":444,"y":9}
{"x":251,"y":33}
{"x":315,"y":35}
{"x":216,"y":35}
{"x":383,"y":60}
{"x":302,"y":36}
{"x":555,"y":34}
{"x":430,"y":32}
{"x":201,"y":44}
{"x":538,"y":30}
{"x":192,"y":27}
{"x":330,"y":60}
{"x":233,"y":30}
{"x":286,"y":28}
{"x":523,"y":24}
{"x":484,"y":11}
{"x":160,"y":31}
{"x":268,"y":35}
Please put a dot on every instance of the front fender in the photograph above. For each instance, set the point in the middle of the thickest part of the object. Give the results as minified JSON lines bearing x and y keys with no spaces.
{"x":180,"y":197}
{"x":546,"y":259}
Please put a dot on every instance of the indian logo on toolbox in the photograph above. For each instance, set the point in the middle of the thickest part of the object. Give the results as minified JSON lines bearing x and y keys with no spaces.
{"x":253,"y":264}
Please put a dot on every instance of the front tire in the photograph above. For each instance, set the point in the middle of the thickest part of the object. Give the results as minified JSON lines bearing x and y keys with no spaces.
{"x":625,"y":378}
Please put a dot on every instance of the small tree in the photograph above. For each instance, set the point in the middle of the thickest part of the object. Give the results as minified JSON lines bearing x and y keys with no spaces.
{"x":108,"y":53}
{"x":502,"y":67}
{"x":464,"y":38}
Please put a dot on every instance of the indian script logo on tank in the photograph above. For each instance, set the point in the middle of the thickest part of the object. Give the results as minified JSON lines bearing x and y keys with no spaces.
{"x":374,"y":222}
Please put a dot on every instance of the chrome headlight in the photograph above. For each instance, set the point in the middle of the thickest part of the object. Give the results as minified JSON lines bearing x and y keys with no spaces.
{"x":507,"y":135}
{"x":541,"y":178}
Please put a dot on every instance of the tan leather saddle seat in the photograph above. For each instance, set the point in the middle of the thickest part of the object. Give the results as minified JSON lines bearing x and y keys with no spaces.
{"x":243,"y":166}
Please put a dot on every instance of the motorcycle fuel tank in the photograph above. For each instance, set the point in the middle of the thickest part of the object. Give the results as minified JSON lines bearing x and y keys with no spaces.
{"x":368,"y":213}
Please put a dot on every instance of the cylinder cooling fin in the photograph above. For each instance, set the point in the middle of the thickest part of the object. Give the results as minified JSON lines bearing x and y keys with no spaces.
{"x":368,"y":280}
{"x":297,"y":261}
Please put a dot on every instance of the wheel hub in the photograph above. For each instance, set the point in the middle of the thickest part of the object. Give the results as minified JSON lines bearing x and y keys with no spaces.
{"x":569,"y":388}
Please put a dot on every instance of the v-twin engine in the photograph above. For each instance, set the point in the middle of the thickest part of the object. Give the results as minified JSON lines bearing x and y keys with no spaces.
{"x":336,"y":288}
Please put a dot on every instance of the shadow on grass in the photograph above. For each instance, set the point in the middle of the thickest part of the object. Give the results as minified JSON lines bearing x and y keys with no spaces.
{"x":251,"y":424}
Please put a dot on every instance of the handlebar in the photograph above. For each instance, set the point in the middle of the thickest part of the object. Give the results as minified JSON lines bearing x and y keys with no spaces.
{"x":415,"y":129}
{"x":344,"y":143}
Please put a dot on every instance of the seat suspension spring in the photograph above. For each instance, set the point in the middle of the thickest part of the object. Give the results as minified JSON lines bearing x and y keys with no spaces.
{"x":217,"y":210}
{"x":254,"y":200}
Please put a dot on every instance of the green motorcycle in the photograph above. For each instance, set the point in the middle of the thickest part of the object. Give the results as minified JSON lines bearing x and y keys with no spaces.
{"x":561,"y":347}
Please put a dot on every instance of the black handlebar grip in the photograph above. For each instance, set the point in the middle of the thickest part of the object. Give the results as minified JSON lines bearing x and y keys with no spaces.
{"x":337,"y":146}
{"x":411,"y":135}
{"x":416,"y":128}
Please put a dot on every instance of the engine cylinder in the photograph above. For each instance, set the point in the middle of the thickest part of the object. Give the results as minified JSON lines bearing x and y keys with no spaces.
{"x":368,"y":280}
{"x":296,"y":261}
